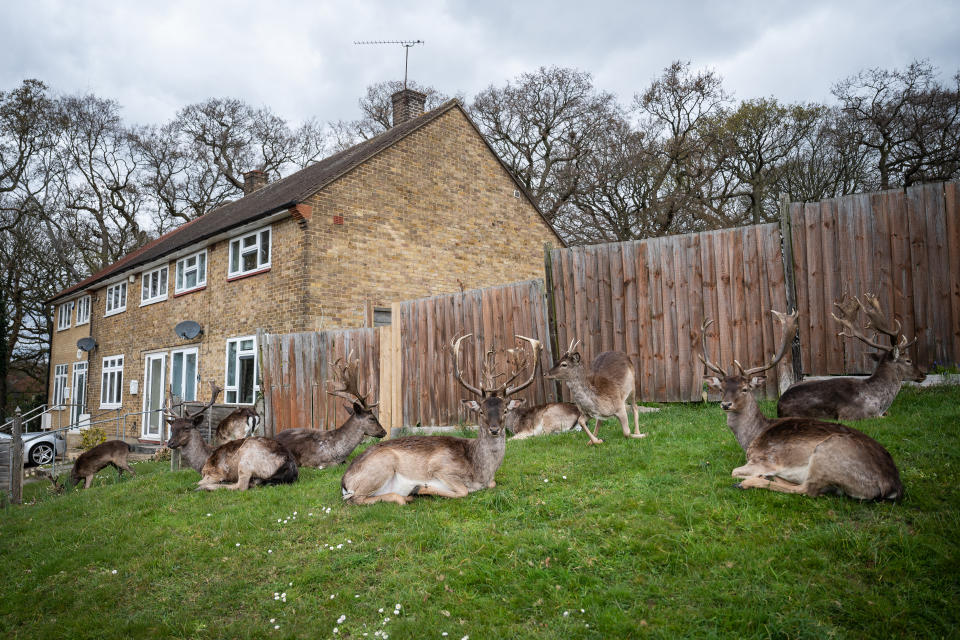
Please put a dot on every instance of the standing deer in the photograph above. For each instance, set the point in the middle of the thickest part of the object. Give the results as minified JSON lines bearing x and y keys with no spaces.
{"x":798,"y":455}
{"x":315,"y":448}
{"x":241,"y":462}
{"x":86,"y":466}
{"x":398,"y":470}
{"x":241,"y":423}
{"x":553,"y":417}
{"x":857,"y":398}
{"x":602,"y":390}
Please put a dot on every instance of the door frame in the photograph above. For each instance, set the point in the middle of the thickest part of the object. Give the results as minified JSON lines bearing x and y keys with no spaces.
{"x":147,"y":360}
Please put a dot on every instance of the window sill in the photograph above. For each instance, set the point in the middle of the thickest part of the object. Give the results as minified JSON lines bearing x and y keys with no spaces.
{"x":63,"y":328}
{"x":189,"y":291}
{"x":80,"y":324}
{"x":114,"y":312}
{"x":241,"y":276}
{"x":110,"y":407}
{"x":147,"y":303}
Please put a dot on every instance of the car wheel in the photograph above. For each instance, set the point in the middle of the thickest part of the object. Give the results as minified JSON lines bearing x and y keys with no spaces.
{"x":41,"y":453}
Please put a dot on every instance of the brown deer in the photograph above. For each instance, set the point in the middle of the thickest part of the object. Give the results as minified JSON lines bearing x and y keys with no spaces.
{"x":240,"y":462}
{"x":602,"y":390}
{"x":315,"y":448}
{"x":857,"y":398}
{"x":798,"y":455}
{"x":553,"y":417}
{"x":112,"y":452}
{"x":241,"y":423}
{"x":398,"y":470}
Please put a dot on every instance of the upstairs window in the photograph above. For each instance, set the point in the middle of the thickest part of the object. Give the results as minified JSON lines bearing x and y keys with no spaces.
{"x":191,"y":272}
{"x":116,"y":298}
{"x":83,"y":310}
{"x":64,"y":313}
{"x":153,"y":286}
{"x":111,"y":383}
{"x":250,"y":253}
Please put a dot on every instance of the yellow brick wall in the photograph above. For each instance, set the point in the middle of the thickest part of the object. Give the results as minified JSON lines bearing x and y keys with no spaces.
{"x":64,"y":351}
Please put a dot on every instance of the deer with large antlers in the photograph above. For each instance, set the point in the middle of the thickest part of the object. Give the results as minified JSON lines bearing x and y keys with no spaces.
{"x":602,"y":390}
{"x":857,"y":398}
{"x":315,"y":448}
{"x":446,"y":466}
{"x":798,"y":455}
{"x":239,"y":462}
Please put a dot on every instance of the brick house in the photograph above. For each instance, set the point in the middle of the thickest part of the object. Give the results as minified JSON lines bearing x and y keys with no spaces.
{"x":424,"y":208}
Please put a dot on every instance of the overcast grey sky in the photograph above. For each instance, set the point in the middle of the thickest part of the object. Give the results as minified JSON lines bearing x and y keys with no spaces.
{"x":298,"y":57}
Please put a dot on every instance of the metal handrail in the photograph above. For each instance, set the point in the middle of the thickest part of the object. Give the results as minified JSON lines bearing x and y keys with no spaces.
{"x":26,"y":417}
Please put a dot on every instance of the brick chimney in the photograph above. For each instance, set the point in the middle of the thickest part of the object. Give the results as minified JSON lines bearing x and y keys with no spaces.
{"x":253,"y":180}
{"x":407,"y":105}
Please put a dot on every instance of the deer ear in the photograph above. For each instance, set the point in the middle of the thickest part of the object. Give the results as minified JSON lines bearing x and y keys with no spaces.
{"x":197,"y":419}
{"x":357,"y":409}
{"x":471,"y":404}
{"x":350,"y":410}
{"x":516,"y":402}
{"x":757,"y":381}
{"x":713,"y":383}
{"x":575,"y":357}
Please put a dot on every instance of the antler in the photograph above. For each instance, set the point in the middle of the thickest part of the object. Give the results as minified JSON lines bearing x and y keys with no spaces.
{"x":703,"y":354}
{"x":789,"y":322}
{"x":345,"y":381}
{"x":573,"y":345}
{"x":214,"y":392}
{"x":848,"y":310}
{"x":878,"y":321}
{"x":456,"y":366}
{"x":519,"y":362}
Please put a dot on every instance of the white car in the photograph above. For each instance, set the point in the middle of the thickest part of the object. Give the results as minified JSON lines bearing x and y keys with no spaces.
{"x":39,"y":446}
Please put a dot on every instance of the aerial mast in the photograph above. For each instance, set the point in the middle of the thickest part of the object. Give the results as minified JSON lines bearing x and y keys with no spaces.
{"x":407,"y":44}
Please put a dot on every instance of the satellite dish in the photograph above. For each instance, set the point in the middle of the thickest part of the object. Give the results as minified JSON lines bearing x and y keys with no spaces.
{"x":188,"y":329}
{"x":86,"y":344}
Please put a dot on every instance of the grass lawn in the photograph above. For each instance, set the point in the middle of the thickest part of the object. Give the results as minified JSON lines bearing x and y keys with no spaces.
{"x":628,"y":539}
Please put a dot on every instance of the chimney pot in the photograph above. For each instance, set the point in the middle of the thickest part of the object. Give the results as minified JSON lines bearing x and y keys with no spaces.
{"x":253,"y":180}
{"x":407,"y":105}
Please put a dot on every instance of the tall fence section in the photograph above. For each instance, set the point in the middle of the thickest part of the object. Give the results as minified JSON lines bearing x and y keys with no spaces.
{"x":649,"y":298}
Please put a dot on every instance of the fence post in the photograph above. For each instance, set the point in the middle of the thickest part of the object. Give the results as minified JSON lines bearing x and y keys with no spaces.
{"x":786,"y":232}
{"x":396,"y":369}
{"x":16,"y":459}
{"x":551,"y":314}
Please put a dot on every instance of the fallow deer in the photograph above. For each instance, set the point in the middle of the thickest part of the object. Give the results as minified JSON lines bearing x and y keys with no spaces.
{"x":241,"y":423}
{"x":553,"y":417}
{"x":315,"y":448}
{"x":112,"y":452}
{"x":240,"y":462}
{"x":602,"y":390}
{"x":798,"y":455}
{"x":857,"y":398}
{"x":398,"y":470}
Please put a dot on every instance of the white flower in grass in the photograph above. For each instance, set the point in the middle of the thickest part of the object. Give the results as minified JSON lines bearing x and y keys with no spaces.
{"x":269,"y":550}
{"x":294,"y":513}
{"x":545,"y":480}
{"x":564,"y":477}
{"x":276,"y":626}
{"x":349,"y":541}
{"x":279,"y":520}
{"x":465,"y":638}
{"x":444,"y":634}
{"x":582,"y":611}
{"x":114,"y":572}
{"x":341,"y":619}
{"x":332,"y":596}
{"x":386,"y":620}
{"x":396,"y":606}
{"x":283,"y":595}
{"x":336,"y":630}
{"x":238,"y":544}
{"x":380,"y":610}
{"x":208,"y":515}
{"x":566,"y":613}
{"x":272,"y":620}
{"x":340,"y":546}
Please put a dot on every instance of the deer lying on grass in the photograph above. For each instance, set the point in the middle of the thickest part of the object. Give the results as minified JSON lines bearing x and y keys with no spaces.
{"x":241,"y":462}
{"x":241,"y":423}
{"x":798,"y":455}
{"x":315,"y":448}
{"x":112,"y":452}
{"x":602,"y":390}
{"x":857,"y":398}
{"x":553,"y":417}
{"x":398,"y":470}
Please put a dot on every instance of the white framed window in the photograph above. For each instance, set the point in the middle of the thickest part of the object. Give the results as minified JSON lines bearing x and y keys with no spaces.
{"x":116,"y":298}
{"x":184,"y":368}
{"x":111,"y":383}
{"x":83,"y":310}
{"x":64,"y":313}
{"x":191,"y":272}
{"x":250,"y":253}
{"x":241,"y":379}
{"x":59,"y":384}
{"x":153,"y":286}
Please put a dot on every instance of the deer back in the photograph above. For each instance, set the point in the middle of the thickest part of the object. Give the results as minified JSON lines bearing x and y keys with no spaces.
{"x":315,"y":448}
{"x":93,"y":460}
{"x":268,"y":462}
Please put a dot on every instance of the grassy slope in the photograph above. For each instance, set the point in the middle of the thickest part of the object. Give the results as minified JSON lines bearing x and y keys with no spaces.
{"x":647,"y":537}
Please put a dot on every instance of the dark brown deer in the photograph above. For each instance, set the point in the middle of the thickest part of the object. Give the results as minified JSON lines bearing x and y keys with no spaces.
{"x":315,"y":448}
{"x":857,"y":398}
{"x":798,"y":455}
{"x":602,"y":390}
{"x":241,"y":423}
{"x":553,"y":417}
{"x":398,"y":470}
{"x":238,"y":462}
{"x":112,"y":452}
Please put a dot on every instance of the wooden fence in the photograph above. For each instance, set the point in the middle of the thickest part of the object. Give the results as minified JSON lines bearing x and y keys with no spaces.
{"x":902,"y":246}
{"x":649,"y":298}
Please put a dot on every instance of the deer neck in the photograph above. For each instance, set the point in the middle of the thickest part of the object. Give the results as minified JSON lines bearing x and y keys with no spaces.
{"x":196,"y":451}
{"x":486,"y":455}
{"x":747,"y":423}
{"x":884,"y":383}
{"x":346,"y":437}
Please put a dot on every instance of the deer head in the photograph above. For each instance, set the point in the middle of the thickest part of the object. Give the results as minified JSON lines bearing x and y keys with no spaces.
{"x":345,"y":384}
{"x":494,"y":404}
{"x":180,"y":425}
{"x":895,"y":353}
{"x":569,"y":366}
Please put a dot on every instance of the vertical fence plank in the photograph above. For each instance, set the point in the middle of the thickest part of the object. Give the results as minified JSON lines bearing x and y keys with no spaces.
{"x":799,"y":229}
{"x":952,"y":221}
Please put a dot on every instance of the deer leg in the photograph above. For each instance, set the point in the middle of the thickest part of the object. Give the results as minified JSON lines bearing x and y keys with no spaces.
{"x":593,"y":436}
{"x":773,"y":484}
{"x":88,"y":481}
{"x":750,"y":469}
{"x":243,"y":482}
{"x":384,"y":497}
{"x":636,"y":420}
{"x":446,"y":488}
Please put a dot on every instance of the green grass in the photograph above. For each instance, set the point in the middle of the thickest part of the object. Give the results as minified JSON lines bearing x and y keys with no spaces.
{"x":642,"y":538}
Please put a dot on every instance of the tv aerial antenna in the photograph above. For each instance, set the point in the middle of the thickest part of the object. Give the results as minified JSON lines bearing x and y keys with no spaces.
{"x":407,"y":44}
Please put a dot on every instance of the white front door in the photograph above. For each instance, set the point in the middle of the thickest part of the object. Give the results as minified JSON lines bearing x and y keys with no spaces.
{"x":154,"y":382}
{"x":79,"y":403}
